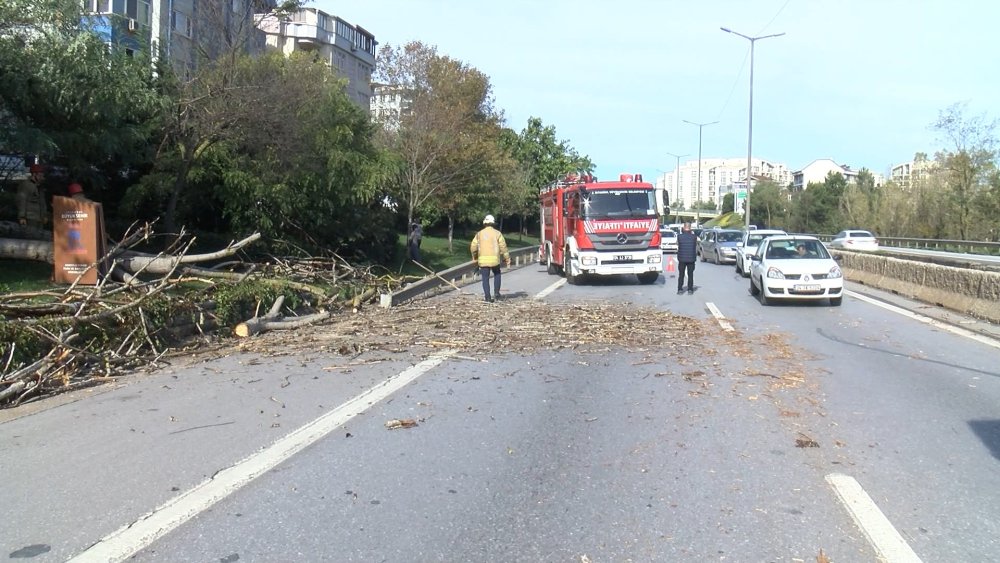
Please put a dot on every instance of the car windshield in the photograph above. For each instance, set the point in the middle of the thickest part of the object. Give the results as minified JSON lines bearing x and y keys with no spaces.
{"x":796,"y":249}
{"x":626,"y":203}
{"x":730,"y":236}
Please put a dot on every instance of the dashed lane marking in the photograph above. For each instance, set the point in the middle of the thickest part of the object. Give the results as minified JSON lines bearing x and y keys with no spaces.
{"x":541,"y":294}
{"x":719,"y":316}
{"x":890,"y":546}
{"x":133,"y":537}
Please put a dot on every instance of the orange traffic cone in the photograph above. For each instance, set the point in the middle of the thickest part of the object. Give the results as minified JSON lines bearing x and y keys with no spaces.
{"x":670,"y":264}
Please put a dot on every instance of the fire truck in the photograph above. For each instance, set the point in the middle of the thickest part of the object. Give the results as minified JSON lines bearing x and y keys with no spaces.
{"x":592,"y":228}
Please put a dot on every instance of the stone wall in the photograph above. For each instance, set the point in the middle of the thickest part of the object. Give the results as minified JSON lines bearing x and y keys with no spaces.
{"x":971,"y":291}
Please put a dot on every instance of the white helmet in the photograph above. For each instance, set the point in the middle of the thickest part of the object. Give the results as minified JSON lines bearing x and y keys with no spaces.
{"x":489,"y":220}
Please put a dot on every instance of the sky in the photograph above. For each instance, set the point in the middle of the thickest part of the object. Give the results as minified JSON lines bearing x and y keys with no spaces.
{"x":857,"y":81}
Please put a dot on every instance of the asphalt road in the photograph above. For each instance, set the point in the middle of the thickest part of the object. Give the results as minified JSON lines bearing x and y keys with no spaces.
{"x":758,"y":434}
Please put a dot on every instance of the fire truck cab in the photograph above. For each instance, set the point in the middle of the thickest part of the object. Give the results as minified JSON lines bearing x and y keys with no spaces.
{"x":593,"y":228}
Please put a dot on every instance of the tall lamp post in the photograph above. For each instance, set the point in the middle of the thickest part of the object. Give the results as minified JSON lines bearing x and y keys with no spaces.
{"x":697,"y":215}
{"x":752,"y":40}
{"x":677,"y":177}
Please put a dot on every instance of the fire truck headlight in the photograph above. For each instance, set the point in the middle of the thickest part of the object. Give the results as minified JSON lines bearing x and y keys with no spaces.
{"x":654,"y":258}
{"x":588,"y":260}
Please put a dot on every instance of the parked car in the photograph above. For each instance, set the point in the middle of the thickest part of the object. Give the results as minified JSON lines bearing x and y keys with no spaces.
{"x":795,"y":268}
{"x":668,"y":239}
{"x":746,"y":247}
{"x":719,"y":245}
{"x":854,"y":240}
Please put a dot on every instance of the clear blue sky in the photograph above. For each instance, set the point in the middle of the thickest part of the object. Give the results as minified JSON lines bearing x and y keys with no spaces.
{"x":858,"y":81}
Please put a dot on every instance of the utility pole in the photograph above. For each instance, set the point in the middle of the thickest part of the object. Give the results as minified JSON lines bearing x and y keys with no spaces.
{"x":697,"y":214}
{"x":752,"y":40}
{"x":677,"y":180}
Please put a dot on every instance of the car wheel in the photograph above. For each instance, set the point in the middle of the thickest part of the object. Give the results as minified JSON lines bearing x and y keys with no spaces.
{"x":835,"y":301}
{"x":568,"y":269}
{"x":550,"y":267}
{"x":702,"y":255}
{"x":753,"y":288}
{"x":764,"y":299}
{"x":737,"y":266}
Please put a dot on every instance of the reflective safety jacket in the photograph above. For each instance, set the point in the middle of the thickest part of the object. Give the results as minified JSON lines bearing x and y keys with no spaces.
{"x":488,"y":247}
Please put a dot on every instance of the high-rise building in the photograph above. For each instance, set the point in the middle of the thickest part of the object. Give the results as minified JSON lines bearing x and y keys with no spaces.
{"x":718,"y":178}
{"x":347,"y":48}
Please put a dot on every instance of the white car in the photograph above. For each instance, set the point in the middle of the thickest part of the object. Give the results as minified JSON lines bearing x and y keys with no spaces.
{"x":668,"y":239}
{"x":854,"y":240}
{"x":748,"y":246}
{"x":795,"y":267}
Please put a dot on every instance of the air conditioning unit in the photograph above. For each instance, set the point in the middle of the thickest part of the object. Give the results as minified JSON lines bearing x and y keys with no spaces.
{"x":132,"y":24}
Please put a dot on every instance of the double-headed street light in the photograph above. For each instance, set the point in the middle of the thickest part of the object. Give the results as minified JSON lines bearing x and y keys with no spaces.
{"x":677,"y":175}
{"x":700,"y":125}
{"x":752,"y":40}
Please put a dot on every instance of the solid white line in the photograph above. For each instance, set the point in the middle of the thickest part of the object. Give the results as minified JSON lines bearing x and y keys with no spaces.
{"x":924,"y":319}
{"x":719,"y":316}
{"x":541,"y":294}
{"x":133,"y":537}
{"x":890,"y":546}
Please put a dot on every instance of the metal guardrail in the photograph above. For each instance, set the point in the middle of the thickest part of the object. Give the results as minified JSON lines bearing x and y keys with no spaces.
{"x":944,"y":245}
{"x":457,"y":275}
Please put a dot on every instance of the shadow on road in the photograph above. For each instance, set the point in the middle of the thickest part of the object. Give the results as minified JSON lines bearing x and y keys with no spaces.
{"x":988,"y":431}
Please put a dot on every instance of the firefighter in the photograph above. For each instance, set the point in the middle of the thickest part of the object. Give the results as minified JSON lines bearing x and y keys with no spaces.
{"x":32,"y":210}
{"x":488,"y":248}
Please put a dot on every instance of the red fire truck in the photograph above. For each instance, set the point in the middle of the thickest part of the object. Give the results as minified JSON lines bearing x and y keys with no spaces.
{"x":600,"y":228}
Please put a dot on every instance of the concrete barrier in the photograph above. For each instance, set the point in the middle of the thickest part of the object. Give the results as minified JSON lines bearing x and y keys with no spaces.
{"x":975,"y":292}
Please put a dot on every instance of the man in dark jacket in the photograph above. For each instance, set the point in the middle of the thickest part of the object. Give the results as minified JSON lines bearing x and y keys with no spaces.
{"x":687,"y":252}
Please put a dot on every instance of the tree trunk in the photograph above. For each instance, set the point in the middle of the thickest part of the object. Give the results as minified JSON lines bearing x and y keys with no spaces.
{"x":23,"y":249}
{"x":451,"y":232}
{"x":180,"y":182}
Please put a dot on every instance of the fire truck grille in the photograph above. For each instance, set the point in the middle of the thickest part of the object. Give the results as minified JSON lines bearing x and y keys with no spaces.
{"x":608,"y":243}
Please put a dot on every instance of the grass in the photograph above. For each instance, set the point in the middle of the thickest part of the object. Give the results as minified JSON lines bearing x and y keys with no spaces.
{"x":434,"y":252}
{"x":17,"y":276}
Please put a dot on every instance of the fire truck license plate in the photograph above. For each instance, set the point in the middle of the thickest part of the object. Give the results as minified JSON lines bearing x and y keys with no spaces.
{"x":621,"y":257}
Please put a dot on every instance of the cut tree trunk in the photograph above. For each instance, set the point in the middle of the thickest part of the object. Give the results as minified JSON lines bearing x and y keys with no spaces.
{"x":25,"y":249}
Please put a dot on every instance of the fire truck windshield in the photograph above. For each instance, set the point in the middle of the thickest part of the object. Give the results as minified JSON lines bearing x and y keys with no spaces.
{"x":624,"y":203}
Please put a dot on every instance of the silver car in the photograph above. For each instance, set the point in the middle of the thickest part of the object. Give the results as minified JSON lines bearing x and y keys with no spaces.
{"x":719,"y":245}
{"x":668,"y":240}
{"x":854,"y":240}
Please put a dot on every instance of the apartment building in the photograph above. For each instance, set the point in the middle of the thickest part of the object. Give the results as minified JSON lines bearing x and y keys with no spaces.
{"x":347,"y":48}
{"x":817,"y":171}
{"x":907,"y":174}
{"x":183,"y":31}
{"x":719,"y":176}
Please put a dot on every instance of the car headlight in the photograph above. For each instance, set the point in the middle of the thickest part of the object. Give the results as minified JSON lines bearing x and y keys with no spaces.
{"x":588,"y":260}
{"x":835,"y":273}
{"x":775,"y":274}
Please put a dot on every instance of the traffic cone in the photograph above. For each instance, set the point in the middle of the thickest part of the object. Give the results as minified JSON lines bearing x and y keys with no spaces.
{"x":670,"y":264}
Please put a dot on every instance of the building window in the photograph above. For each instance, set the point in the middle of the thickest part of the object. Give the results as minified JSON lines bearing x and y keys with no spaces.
{"x":98,"y":6}
{"x":181,"y":24}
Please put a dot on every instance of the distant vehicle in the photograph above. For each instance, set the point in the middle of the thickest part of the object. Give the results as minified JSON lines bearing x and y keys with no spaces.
{"x":719,"y":245}
{"x":795,"y":268}
{"x":668,"y":239}
{"x":748,"y":246}
{"x":854,"y":240}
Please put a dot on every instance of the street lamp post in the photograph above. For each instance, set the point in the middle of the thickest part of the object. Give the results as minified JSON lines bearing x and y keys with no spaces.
{"x":752,"y":40}
{"x":697,"y":214}
{"x":677,"y":177}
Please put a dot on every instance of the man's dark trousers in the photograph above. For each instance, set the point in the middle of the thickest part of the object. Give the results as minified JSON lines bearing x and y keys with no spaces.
{"x":681,"y":269}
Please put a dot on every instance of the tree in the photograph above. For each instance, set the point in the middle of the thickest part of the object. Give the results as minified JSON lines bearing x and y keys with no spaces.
{"x":769,"y":204}
{"x":448,"y":128}
{"x":728,"y":203}
{"x":966,"y":166}
{"x":219,"y":98}
{"x":66,"y":96}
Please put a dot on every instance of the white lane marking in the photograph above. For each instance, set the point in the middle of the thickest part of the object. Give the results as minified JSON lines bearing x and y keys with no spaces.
{"x":133,"y":537}
{"x":719,"y":316}
{"x":891,"y":546}
{"x":541,"y":294}
{"x":924,"y":319}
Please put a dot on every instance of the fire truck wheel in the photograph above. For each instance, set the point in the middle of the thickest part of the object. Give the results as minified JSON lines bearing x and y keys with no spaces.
{"x":568,"y":269}
{"x":647,"y":278}
{"x":550,"y":266}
